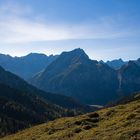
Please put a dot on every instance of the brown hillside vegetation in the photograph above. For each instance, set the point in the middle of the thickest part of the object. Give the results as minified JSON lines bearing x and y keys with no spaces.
{"x":121,"y":122}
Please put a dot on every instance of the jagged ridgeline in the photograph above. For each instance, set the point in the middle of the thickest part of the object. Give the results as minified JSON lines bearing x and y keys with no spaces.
{"x":26,"y":66}
{"x":74,"y":74}
{"x":92,"y":82}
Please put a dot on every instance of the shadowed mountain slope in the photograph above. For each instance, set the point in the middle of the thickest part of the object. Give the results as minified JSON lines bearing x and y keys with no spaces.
{"x":138,"y":61}
{"x":14,"y":81}
{"x":22,"y":105}
{"x":19,"y":110}
{"x":74,"y":74}
{"x":129,"y":79}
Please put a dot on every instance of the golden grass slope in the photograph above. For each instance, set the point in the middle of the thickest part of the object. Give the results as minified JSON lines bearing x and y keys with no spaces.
{"x":121,"y":122}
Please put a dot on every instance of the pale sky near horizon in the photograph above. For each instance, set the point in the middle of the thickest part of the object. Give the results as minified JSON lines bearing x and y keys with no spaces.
{"x":105,"y":29}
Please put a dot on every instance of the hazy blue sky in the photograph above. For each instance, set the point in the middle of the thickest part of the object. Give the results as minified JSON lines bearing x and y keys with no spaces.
{"x":105,"y":29}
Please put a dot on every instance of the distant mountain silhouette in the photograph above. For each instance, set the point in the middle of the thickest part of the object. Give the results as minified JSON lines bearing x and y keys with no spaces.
{"x":74,"y":74}
{"x":26,"y":66}
{"x":116,"y":64}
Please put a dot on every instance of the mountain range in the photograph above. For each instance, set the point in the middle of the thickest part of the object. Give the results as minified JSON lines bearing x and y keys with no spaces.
{"x":75,"y":75}
{"x":26,"y":66}
{"x":33,"y":63}
{"x":89,"y":81}
{"x":37,"y":88}
{"x":118,"y":63}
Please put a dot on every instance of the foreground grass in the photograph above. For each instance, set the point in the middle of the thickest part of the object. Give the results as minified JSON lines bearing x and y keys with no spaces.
{"x":117,"y":123}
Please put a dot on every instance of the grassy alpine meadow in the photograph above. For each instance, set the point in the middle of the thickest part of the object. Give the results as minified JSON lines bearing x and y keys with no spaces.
{"x":121,"y":122}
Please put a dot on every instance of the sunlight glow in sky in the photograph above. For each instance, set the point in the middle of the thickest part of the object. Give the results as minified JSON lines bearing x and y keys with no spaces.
{"x":105,"y":29}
